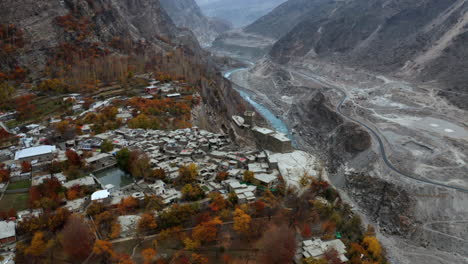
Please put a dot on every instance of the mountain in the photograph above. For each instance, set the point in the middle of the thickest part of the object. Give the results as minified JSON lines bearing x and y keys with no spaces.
{"x":421,"y":40}
{"x":187,"y":14}
{"x":239,"y":12}
{"x":90,"y":44}
{"x":286,"y":16}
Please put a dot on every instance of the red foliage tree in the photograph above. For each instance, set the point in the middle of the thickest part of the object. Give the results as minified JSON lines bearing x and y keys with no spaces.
{"x":73,"y":158}
{"x":25,"y":167}
{"x":77,"y":238}
{"x":259,"y":206}
{"x":306,"y":232}
{"x":278,"y":246}
{"x":332,"y":256}
{"x":24,"y":106}
{"x":4,"y":173}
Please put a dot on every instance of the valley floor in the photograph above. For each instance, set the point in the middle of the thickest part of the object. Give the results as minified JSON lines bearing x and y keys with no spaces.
{"x":422,"y":142}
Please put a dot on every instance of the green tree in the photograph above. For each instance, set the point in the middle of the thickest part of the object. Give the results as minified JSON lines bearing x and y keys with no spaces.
{"x":249,"y":176}
{"x":6,"y":91}
{"x":188,"y":174}
{"x":140,"y":167}
{"x":123,"y":159}
{"x":192,"y":192}
{"x":107,"y":146}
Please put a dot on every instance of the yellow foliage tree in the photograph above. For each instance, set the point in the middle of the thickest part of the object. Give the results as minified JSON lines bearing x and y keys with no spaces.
{"x":191,"y":244}
{"x":373,"y":246}
{"x":241,"y":221}
{"x":38,"y":245}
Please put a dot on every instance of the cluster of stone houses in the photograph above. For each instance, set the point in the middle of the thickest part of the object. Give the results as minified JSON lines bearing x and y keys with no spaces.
{"x":168,"y":150}
{"x":210,"y":152}
{"x":170,"y":90}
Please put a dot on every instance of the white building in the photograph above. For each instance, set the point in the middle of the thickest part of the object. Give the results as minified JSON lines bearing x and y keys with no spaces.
{"x":100,"y":196}
{"x":317,"y":248}
{"x":7,"y":232}
{"x":40,"y":153}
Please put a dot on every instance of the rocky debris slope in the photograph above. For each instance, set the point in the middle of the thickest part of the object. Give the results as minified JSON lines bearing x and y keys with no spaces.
{"x":321,"y":126}
{"x":421,"y":40}
{"x":187,"y":14}
{"x":388,"y":203}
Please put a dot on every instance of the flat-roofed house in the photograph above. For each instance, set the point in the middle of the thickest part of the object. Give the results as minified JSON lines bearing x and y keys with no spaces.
{"x":39,"y":153}
{"x":7,"y":232}
{"x":280,"y":143}
{"x":267,"y":180}
{"x":101,"y":161}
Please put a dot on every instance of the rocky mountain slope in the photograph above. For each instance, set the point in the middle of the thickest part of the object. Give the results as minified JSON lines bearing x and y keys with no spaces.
{"x":422,"y":39}
{"x":239,"y":12}
{"x":285,"y":17}
{"x":187,"y":14}
{"x":84,"y":43}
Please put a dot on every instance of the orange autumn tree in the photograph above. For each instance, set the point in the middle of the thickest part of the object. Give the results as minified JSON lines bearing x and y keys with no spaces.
{"x":218,"y":202}
{"x":127,"y":204}
{"x":38,"y":246}
{"x":104,"y":249}
{"x":149,"y":255}
{"x":241,"y":221}
{"x":207,"y":231}
{"x":198,"y":259}
{"x":147,"y":223}
{"x":373,"y":246}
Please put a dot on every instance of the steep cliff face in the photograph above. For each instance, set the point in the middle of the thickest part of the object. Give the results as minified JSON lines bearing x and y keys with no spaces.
{"x":410,"y":38}
{"x":49,"y":24}
{"x":187,"y":14}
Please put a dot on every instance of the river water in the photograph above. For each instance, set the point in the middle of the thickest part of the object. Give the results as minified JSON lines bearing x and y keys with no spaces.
{"x":272,"y":119}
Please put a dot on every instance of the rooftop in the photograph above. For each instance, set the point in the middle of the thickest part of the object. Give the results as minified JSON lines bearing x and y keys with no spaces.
{"x":34,"y":151}
{"x":98,"y":195}
{"x":86,"y":181}
{"x":281,"y":137}
{"x":263,"y":130}
{"x":98,"y":157}
{"x":7,"y":229}
{"x":266,"y":178}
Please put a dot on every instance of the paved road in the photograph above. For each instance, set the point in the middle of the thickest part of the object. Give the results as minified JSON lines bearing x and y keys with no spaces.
{"x":379,"y":140}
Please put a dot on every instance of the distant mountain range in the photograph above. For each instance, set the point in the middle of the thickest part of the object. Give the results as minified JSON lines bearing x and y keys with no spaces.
{"x":239,"y":12}
{"x":422,"y":39}
{"x":187,"y":14}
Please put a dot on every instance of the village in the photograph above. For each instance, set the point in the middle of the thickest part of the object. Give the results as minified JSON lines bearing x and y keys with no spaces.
{"x":177,"y":166}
